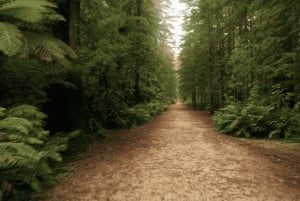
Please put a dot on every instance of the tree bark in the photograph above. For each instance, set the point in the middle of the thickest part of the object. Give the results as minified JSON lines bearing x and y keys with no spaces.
{"x":74,"y":12}
{"x":194,"y":99}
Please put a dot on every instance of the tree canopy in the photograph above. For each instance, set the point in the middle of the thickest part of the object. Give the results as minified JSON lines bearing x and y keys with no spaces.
{"x":74,"y":65}
{"x":244,"y":57}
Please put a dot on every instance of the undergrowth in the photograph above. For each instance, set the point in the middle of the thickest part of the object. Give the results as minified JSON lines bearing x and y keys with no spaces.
{"x":29,"y":155}
{"x":258,"y":121}
{"x":142,"y":113}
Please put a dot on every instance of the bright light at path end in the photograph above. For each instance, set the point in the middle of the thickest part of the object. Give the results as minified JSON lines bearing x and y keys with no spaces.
{"x":177,"y":12}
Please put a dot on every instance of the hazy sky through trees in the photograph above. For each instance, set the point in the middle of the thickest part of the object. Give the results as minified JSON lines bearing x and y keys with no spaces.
{"x":177,"y":11}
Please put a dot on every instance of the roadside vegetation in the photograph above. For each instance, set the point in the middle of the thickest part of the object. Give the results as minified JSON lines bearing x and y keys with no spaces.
{"x":240,"y":60}
{"x":68,"y":70}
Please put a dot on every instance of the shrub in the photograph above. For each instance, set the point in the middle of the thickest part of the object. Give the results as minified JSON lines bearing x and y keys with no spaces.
{"x":285,"y":124}
{"x":28,"y":153}
{"x":142,"y":113}
{"x":244,"y":120}
{"x":257,"y":121}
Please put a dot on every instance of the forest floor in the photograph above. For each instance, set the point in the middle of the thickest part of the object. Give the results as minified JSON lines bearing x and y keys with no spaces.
{"x":179,"y":157}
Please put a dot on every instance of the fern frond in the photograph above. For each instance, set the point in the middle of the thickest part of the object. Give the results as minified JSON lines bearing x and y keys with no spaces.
{"x":52,"y":15}
{"x":25,"y":139}
{"x":69,"y":52}
{"x":24,"y":123}
{"x":50,"y":48}
{"x":33,"y":4}
{"x":18,"y":155}
{"x":42,"y":134}
{"x":74,"y":134}
{"x":2,"y":112}
{"x":44,"y":168}
{"x":56,"y":144}
{"x":52,"y":154}
{"x":16,"y":125}
{"x":28,"y":78}
{"x":11,"y":39}
{"x":31,"y":11}
{"x":26,"y":111}
{"x":27,"y":152}
{"x":2,"y":2}
{"x":35,"y":184}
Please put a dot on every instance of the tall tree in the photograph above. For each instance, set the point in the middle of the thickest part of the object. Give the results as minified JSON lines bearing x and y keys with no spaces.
{"x":126,"y":66}
{"x":252,"y":49}
{"x":74,"y":14}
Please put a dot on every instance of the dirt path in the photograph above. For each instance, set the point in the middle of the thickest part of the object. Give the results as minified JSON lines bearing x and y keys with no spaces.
{"x":178,"y":157}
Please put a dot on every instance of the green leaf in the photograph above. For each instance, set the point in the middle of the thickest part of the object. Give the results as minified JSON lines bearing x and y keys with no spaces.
{"x":2,"y":112}
{"x":16,"y":155}
{"x":11,"y":39}
{"x":27,"y":112}
{"x":16,"y":125}
{"x":36,"y":184}
{"x":31,"y":11}
{"x":50,"y":48}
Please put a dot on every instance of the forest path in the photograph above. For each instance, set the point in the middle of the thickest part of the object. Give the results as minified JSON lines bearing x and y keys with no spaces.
{"x":178,"y":157}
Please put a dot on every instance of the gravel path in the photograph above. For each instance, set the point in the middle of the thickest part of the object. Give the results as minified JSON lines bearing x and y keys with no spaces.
{"x":178,"y":157}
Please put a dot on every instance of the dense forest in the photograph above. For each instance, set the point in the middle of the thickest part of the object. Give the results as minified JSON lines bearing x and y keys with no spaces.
{"x":240,"y":60}
{"x":69,"y":68}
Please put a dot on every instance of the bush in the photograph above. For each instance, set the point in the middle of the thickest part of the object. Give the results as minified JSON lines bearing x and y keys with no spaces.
{"x":257,"y":121}
{"x":244,"y":120}
{"x":286,"y":124}
{"x":28,"y":154}
{"x":142,"y":113}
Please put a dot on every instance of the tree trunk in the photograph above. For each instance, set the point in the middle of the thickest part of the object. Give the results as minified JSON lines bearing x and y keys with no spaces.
{"x":78,"y":116}
{"x":194,"y":99}
{"x":210,"y":52}
{"x":137,"y":86}
{"x":74,"y":12}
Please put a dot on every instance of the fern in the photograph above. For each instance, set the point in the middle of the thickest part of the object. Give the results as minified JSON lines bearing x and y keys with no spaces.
{"x":243,"y":120}
{"x":15,"y":155}
{"x":25,"y":81}
{"x":35,"y":12}
{"x":31,"y":11}
{"x":16,"y":125}
{"x":27,"y":112}
{"x":286,"y":123}
{"x":142,"y":113}
{"x":50,"y":48}
{"x":27,"y":152}
{"x":11,"y":39}
{"x":2,"y":112}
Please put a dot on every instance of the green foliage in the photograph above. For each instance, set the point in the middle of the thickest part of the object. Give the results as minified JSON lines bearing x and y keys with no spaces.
{"x":28,"y":153}
{"x":25,"y":31}
{"x":126,"y":68}
{"x":285,"y":124}
{"x":243,"y":121}
{"x":257,"y":121}
{"x":244,"y":57}
{"x":10,"y":39}
{"x":126,"y":76}
{"x":25,"y":81}
{"x":142,"y":113}
{"x":31,"y":11}
{"x":50,"y":49}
